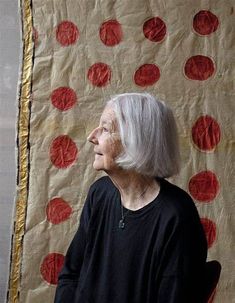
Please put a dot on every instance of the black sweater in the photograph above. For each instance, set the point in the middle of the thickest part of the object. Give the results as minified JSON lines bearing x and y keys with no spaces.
{"x":158,"y":257}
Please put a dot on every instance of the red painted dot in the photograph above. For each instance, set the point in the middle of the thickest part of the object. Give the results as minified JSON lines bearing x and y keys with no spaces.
{"x":204,"y":186}
{"x":154,"y":29}
{"x":206,"y":133}
{"x":111,"y":33}
{"x":67,"y":33}
{"x":146,"y":75}
{"x":51,"y":267}
{"x":99,"y":74}
{"x":35,"y":36}
{"x":205,"y":23}
{"x":210,"y":231}
{"x":63,"y":151}
{"x":212,"y":297}
{"x":58,"y":211}
{"x":63,"y":98}
{"x":199,"y":68}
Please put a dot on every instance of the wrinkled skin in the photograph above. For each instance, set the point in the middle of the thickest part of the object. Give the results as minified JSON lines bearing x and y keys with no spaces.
{"x":107,"y":143}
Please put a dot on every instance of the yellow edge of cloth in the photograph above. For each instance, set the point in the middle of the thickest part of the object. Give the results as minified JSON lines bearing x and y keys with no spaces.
{"x":23,"y":153}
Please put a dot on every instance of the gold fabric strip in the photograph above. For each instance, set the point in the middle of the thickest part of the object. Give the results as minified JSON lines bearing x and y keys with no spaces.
{"x":23,"y":153}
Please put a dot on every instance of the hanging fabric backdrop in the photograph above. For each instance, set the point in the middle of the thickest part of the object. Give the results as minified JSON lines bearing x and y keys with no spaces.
{"x":77,"y":53}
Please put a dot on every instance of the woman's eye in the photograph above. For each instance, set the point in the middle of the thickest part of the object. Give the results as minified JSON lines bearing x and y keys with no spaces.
{"x":105,"y":129}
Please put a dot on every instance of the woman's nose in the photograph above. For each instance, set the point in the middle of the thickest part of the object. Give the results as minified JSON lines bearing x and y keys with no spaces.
{"x":92,"y":137}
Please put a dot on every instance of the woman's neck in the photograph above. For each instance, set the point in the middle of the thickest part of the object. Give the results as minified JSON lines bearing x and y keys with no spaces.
{"x":136,"y":190}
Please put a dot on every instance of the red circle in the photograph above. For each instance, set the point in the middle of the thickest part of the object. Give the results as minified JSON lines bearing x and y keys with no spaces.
{"x":58,"y":211}
{"x":199,"y":68}
{"x":211,"y":299}
{"x":147,"y":74}
{"x":67,"y":33}
{"x":99,"y":74}
{"x":35,"y":36}
{"x":111,"y":32}
{"x":154,"y":29}
{"x":206,"y":133}
{"x":210,"y":231}
{"x":63,"y":151}
{"x":204,"y":186}
{"x":63,"y":98}
{"x":205,"y":23}
{"x":51,"y":267}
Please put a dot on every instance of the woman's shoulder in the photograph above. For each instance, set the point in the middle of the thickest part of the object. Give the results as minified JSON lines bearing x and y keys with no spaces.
{"x":174,"y":191}
{"x":102,"y":183}
{"x":177,"y":202}
{"x":102,"y":188}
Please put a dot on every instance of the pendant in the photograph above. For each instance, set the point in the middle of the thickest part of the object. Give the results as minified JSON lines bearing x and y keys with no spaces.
{"x":121,"y":224}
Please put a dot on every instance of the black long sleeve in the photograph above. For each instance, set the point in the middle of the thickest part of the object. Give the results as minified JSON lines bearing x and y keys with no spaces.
{"x":183,"y":264}
{"x":69,"y":276}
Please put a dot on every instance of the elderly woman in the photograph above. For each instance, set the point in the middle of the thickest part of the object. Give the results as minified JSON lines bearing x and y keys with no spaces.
{"x":140,"y":239}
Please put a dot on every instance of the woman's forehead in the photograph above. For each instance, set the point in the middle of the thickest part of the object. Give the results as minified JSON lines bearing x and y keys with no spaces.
{"x":108,"y":116}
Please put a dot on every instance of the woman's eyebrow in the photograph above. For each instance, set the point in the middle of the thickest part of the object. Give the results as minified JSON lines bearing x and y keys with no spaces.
{"x":104,"y":122}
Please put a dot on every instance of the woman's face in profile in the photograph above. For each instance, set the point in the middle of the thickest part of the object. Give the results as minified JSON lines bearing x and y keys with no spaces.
{"x":106,"y":140}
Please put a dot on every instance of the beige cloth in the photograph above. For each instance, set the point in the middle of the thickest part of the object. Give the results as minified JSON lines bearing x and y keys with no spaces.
{"x":67,"y":66}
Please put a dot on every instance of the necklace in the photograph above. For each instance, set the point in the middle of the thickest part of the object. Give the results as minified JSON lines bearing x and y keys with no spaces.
{"x":121,"y":224}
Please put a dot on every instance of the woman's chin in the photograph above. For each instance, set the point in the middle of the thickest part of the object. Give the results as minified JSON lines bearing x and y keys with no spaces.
{"x":97,"y":167}
{"x":106,"y":167}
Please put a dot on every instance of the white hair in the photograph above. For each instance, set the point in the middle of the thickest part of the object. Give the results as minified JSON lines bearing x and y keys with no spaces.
{"x":148,"y":134}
